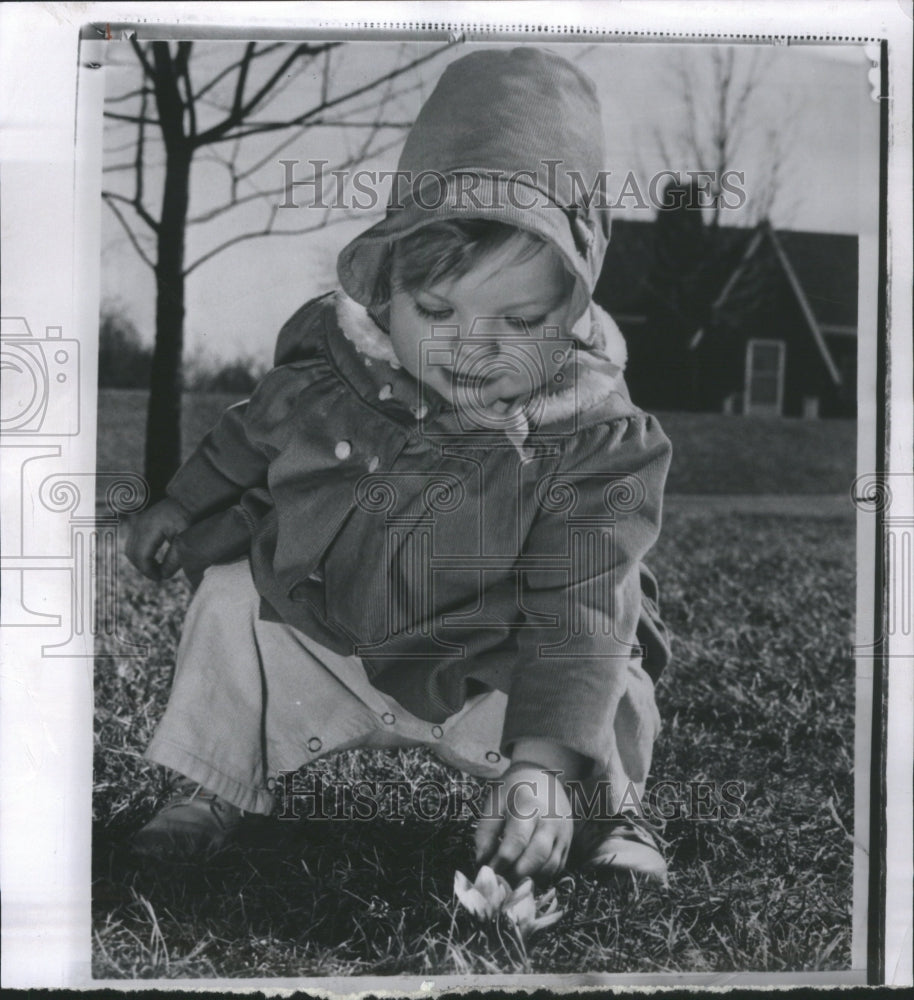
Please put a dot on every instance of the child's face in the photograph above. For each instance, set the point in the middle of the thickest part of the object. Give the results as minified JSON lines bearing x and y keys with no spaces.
{"x":512,"y":300}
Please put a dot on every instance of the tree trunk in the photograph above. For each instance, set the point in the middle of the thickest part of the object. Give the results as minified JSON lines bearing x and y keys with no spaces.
{"x":163,"y":426}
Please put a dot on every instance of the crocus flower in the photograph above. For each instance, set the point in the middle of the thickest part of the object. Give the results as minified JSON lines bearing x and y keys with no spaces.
{"x":484,"y":897}
{"x":491,"y":894}
{"x":530,"y":914}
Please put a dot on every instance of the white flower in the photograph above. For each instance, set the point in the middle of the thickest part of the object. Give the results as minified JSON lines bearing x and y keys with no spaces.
{"x":530,"y":914}
{"x":484,"y":897}
{"x":491,"y":894}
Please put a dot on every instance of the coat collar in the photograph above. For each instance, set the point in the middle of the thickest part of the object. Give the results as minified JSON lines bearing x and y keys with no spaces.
{"x":598,"y":364}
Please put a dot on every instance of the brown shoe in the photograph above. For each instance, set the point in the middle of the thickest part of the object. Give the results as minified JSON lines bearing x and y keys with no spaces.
{"x":194,"y":822}
{"x":621,"y":843}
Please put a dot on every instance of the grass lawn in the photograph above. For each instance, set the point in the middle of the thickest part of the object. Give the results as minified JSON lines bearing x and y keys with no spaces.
{"x":760,"y":692}
{"x":711,"y":453}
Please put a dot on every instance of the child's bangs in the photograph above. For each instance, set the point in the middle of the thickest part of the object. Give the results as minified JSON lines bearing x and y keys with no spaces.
{"x":450,"y":250}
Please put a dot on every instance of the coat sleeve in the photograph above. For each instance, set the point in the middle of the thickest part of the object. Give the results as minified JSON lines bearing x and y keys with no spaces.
{"x":598,"y":514}
{"x":235,"y":455}
{"x":223,"y":484}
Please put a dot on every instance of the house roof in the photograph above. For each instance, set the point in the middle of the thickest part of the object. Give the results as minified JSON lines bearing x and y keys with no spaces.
{"x":821,"y":269}
{"x":805,"y":305}
{"x":825,"y":266}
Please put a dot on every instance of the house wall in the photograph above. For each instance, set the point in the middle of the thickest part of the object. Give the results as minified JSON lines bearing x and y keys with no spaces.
{"x":720,"y":359}
{"x":843,"y":349}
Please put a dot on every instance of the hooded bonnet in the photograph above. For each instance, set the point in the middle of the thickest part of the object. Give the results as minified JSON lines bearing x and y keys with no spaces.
{"x":514,"y":136}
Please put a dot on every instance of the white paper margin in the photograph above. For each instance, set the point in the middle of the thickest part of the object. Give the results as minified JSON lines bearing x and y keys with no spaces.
{"x":50,"y":264}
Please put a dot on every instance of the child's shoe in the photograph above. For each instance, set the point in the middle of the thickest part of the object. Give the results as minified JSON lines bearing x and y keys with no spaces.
{"x":194,"y":822}
{"x":621,"y":843}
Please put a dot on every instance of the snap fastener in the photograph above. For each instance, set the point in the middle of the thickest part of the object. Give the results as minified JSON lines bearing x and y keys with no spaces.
{"x":388,"y":718}
{"x":493,"y":757}
{"x":314,"y":744}
{"x":421,"y":412}
{"x":386,"y":391}
{"x":437,"y":732}
{"x":373,"y":463}
{"x":342,"y":450}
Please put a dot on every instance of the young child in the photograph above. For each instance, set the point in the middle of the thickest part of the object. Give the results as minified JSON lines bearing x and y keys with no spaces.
{"x":426,"y":525}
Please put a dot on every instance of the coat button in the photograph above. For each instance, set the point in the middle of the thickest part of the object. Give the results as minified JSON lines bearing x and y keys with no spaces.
{"x":388,"y":718}
{"x":386,"y":391}
{"x":437,"y":732}
{"x":395,"y":364}
{"x":493,"y":757}
{"x":342,"y":450}
{"x":373,"y":463}
{"x":314,"y":744}
{"x":421,"y":412}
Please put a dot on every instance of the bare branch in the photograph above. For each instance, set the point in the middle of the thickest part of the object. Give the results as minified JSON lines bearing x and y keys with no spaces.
{"x":300,"y":50}
{"x":148,"y":71}
{"x":691,"y":137}
{"x":325,"y":77}
{"x":139,"y":164}
{"x":183,"y":64}
{"x":268,"y":230}
{"x":108,"y":150}
{"x":665,"y":154}
{"x":135,"y":119}
{"x":720,"y":114}
{"x":243,"y":68}
{"x":115,"y":168}
{"x":126,"y":97}
{"x":222,"y":74}
{"x":168,"y":97}
{"x":295,"y":136}
{"x":326,"y":122}
{"x":109,"y":201}
{"x":259,"y":193}
{"x":139,"y":209}
{"x":241,"y":109}
{"x":217,"y":135}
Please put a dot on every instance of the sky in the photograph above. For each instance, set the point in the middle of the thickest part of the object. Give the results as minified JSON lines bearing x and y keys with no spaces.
{"x":813,"y":100}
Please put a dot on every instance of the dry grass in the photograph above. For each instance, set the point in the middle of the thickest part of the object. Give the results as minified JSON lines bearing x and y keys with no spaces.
{"x":711,"y":454}
{"x":761,"y":691}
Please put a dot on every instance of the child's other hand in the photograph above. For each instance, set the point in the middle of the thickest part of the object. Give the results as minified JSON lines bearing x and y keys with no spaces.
{"x":149,"y":531}
{"x":527,"y":825}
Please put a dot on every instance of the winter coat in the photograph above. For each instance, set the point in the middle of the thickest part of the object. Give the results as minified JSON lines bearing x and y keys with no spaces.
{"x":450,"y":559}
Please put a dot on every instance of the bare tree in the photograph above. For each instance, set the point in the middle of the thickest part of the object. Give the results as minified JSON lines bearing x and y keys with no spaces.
{"x":187,"y":109}
{"x":725,"y":128}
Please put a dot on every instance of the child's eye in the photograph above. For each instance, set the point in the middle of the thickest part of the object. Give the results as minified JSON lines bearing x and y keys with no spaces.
{"x":520,"y":323}
{"x":432,"y":313}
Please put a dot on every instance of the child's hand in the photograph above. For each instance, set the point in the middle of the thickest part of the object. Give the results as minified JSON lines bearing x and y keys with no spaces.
{"x":148,"y":532}
{"x":526,"y":808}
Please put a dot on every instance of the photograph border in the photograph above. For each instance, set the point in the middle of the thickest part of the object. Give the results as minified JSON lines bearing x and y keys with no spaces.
{"x":46,"y":703}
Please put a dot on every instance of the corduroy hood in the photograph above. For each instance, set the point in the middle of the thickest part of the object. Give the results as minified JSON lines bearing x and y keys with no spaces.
{"x":513,"y":136}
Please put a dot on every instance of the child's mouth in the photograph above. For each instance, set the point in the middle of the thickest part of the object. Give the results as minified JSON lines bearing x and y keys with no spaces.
{"x":480,"y":392}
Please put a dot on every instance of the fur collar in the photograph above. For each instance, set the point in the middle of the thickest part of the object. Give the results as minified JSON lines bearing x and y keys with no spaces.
{"x":599,"y":363}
